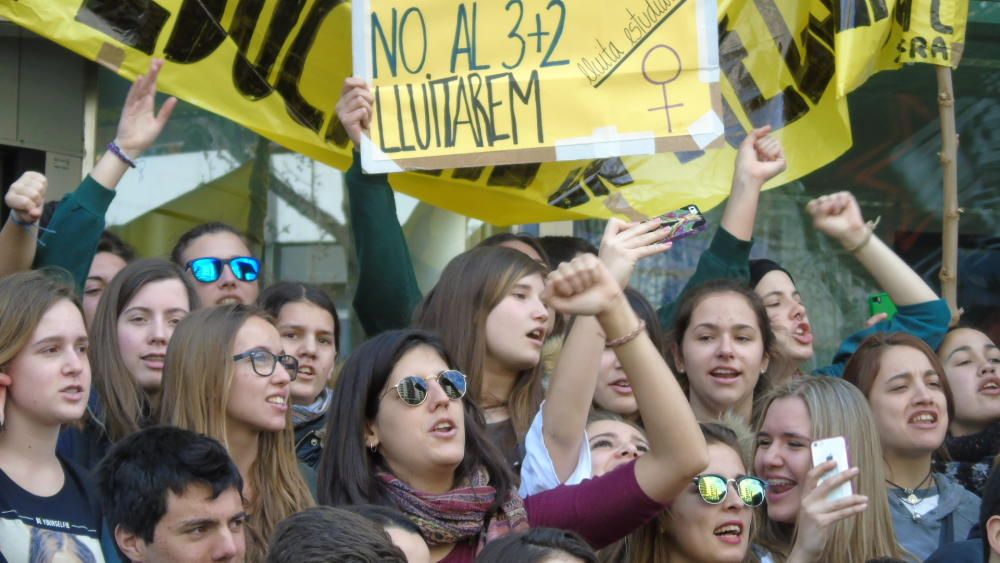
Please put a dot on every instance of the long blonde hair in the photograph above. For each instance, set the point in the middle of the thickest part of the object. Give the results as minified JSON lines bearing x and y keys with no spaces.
{"x":837,"y":408}
{"x":197,"y":375}
{"x":457,"y":307}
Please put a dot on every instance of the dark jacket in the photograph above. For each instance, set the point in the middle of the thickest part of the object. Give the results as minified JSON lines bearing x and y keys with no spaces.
{"x":309,"y":441}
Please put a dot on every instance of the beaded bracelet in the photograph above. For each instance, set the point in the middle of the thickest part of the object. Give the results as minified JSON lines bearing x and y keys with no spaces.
{"x":117,"y":151}
{"x":622,"y":340}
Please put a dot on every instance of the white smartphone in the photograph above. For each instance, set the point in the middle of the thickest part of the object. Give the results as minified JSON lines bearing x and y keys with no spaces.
{"x":833,"y":449}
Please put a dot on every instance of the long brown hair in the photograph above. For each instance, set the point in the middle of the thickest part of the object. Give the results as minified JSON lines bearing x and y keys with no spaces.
{"x":837,"y":408}
{"x":866,"y":362}
{"x":197,"y":376}
{"x":125,"y":404}
{"x":682,"y":321}
{"x":456,"y":308}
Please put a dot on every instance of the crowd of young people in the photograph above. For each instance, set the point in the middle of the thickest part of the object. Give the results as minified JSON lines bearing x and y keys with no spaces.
{"x":527,"y":408}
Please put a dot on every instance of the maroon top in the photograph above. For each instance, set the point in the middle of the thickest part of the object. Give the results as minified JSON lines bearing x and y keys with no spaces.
{"x":603,"y":510}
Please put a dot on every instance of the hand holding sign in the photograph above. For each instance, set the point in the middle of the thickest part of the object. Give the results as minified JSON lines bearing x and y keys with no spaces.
{"x":354,"y":108}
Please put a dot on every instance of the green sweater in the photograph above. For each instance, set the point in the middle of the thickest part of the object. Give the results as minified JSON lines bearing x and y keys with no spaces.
{"x":76,"y":229}
{"x":387,"y":290}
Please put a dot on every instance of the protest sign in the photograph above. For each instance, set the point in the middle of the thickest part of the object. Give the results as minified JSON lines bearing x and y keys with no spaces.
{"x":464,"y":83}
{"x":276,"y":67}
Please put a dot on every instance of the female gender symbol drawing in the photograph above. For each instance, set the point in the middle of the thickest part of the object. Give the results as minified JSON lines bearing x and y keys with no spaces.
{"x":667,"y":106}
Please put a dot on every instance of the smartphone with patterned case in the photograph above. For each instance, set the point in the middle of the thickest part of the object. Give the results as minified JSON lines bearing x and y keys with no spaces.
{"x":683,"y":222}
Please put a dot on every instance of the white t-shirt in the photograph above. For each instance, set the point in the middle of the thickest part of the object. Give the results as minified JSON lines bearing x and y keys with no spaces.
{"x":538,"y":473}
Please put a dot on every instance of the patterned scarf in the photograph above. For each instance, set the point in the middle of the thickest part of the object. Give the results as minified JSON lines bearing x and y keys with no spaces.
{"x":459,"y":514}
{"x":302,"y":414}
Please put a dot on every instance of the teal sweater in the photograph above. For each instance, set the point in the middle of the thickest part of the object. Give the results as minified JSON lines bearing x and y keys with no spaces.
{"x":76,"y":229}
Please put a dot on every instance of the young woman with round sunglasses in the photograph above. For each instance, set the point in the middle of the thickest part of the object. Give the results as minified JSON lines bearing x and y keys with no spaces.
{"x":132,"y":327}
{"x":800,"y":523}
{"x":406,"y":437}
{"x":44,"y":383}
{"x":218,"y":259}
{"x":710,"y":520}
{"x":227,"y":376}
{"x":972,"y":366}
{"x":310,"y":331}
{"x":911,"y":399}
{"x":839,"y":217}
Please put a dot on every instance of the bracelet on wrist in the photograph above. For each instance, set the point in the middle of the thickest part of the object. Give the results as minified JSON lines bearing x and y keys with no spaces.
{"x":868,"y":236}
{"x":117,"y":151}
{"x":622,"y":340}
{"x":16,"y":221}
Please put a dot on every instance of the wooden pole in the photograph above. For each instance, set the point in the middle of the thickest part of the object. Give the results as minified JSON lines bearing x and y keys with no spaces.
{"x":949,"y":167}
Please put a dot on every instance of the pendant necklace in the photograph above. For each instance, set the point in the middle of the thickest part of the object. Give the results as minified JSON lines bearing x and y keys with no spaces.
{"x":910,"y":495}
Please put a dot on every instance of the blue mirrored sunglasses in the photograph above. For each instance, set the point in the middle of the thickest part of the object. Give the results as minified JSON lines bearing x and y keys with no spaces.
{"x":209,"y":270}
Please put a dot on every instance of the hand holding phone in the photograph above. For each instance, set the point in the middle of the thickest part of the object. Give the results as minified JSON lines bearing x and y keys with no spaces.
{"x":833,"y":449}
{"x":881,"y":303}
{"x":683,"y":222}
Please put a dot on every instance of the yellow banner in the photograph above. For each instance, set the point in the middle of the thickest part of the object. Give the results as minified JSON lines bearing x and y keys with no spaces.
{"x":460,"y":83}
{"x":276,"y":66}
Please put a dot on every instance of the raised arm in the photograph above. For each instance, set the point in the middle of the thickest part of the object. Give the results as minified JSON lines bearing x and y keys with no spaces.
{"x":387,"y":290}
{"x":759,"y":159}
{"x":77,"y":224}
{"x":677,"y":448}
{"x":838,"y":216}
{"x":25,"y":199}
{"x":571,"y":387}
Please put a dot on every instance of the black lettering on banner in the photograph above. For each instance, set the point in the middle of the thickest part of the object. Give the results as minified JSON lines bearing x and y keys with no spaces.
{"x":903,"y":9}
{"x":249,"y":77}
{"x":936,"y":19}
{"x":197,"y":33}
{"x":573,"y":192}
{"x":813,"y":72}
{"x":939,"y":48}
{"x":777,"y":111}
{"x":854,"y":13}
{"x":429,"y":172}
{"x":291,"y":69}
{"x":517,"y":176}
{"x":136,"y":23}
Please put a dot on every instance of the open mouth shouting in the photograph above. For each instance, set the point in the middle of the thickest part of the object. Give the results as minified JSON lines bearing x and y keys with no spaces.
{"x":778,"y":487}
{"x":444,"y":428}
{"x":725,"y":375}
{"x":990,"y":386}
{"x":537,"y":336}
{"x":802,"y":333}
{"x":925,"y":420}
{"x":621,"y":386}
{"x":731,"y":532}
